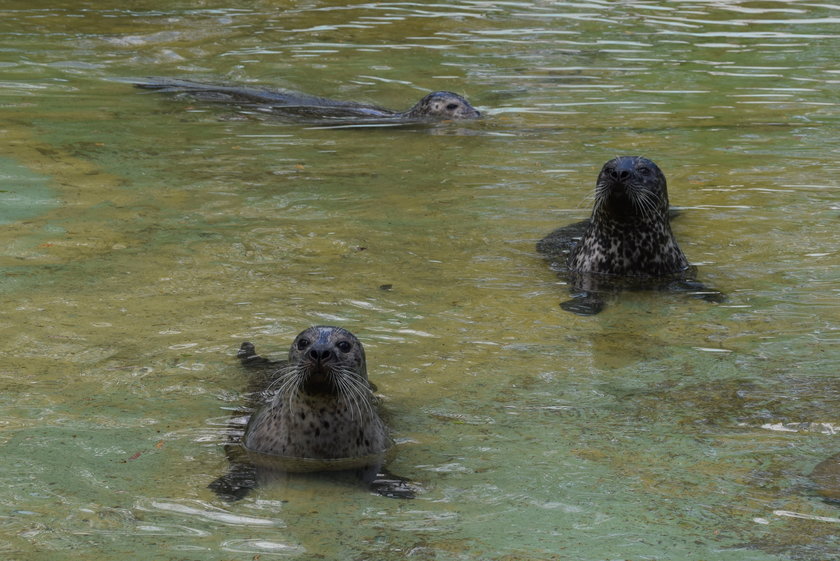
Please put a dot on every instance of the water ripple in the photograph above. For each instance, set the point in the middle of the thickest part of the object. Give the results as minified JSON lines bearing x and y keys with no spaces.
{"x":205,"y":511}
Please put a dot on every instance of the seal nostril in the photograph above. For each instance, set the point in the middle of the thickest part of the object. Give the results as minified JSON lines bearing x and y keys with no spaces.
{"x":319,"y":355}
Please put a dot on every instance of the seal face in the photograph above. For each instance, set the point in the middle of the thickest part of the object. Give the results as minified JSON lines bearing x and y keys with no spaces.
{"x":629,"y":232}
{"x":442,"y":106}
{"x":323,"y":406}
{"x":626,"y":243}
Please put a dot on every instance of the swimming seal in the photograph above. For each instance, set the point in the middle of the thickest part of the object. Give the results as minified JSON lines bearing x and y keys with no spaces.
{"x":435,"y":106}
{"x":315,"y":412}
{"x":626,"y":243}
{"x":826,"y":479}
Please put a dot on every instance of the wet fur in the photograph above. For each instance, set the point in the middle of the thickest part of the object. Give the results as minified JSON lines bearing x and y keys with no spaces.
{"x":339,"y":422}
{"x":334,"y":418}
{"x":626,"y":243}
{"x":435,"y":106}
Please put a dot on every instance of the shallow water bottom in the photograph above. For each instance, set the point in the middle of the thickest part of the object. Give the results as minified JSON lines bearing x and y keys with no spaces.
{"x":144,"y":238}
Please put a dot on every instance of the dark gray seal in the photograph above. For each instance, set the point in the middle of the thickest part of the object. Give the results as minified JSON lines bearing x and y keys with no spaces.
{"x":826,"y":479}
{"x":316,"y":412}
{"x":626,"y":243}
{"x":436,"y":106}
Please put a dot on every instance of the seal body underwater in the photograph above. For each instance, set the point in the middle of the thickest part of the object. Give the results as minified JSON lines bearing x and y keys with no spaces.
{"x":626,"y":243}
{"x":826,"y":479}
{"x":435,"y":106}
{"x":315,"y":412}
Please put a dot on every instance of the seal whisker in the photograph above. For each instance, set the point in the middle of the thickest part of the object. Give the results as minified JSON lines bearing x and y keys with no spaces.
{"x":281,"y":375}
{"x":291,"y":391}
{"x":645,"y":204}
{"x":289,"y":380}
{"x":656,"y":208}
{"x":348,"y":396}
{"x":361,"y":390}
{"x":356,"y":393}
{"x":586,"y":200}
{"x":366,"y":397}
{"x":289,"y":386}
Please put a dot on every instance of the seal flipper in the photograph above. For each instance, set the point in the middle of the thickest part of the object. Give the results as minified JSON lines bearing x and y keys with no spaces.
{"x":241,"y":476}
{"x":235,"y":485}
{"x":249,"y":358}
{"x":584,"y":304}
{"x":698,"y":290}
{"x":387,"y":484}
{"x":558,"y":244}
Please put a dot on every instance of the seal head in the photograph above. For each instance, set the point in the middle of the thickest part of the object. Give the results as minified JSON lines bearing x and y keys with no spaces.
{"x":442,"y":106}
{"x":329,"y":360}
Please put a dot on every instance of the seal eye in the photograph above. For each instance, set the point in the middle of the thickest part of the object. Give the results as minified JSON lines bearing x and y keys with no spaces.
{"x":344,"y":346}
{"x":452,"y":106}
{"x":644,"y":170}
{"x":302,"y":343}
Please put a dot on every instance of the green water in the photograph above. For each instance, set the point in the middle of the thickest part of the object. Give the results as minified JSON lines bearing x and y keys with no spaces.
{"x":22,"y":193}
{"x":161,"y":232}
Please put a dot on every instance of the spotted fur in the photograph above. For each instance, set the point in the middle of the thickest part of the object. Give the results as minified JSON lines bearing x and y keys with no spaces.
{"x":322,"y":405}
{"x":442,"y":105}
{"x":629,"y":232}
{"x":626,"y":244}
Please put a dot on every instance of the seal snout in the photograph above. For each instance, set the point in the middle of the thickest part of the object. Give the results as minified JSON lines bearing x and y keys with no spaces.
{"x":320,"y":359}
{"x":621,"y":169}
{"x":620,"y":172}
{"x":319,"y":354}
{"x":319,"y":372}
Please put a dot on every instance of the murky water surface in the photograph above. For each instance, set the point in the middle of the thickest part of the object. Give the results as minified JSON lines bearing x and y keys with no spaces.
{"x":145,"y":236}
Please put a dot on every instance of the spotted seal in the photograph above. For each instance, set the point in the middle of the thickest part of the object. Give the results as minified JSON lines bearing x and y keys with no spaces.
{"x":315,"y":412}
{"x":626,"y":243}
{"x":435,"y":106}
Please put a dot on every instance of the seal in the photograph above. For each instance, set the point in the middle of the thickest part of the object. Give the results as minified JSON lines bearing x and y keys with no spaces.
{"x":324,"y":407}
{"x":435,"y":106}
{"x":825,"y":478}
{"x":626,"y":243}
{"x":315,"y":412}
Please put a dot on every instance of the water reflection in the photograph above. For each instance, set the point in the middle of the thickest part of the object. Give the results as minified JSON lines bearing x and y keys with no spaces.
{"x":205,"y":512}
